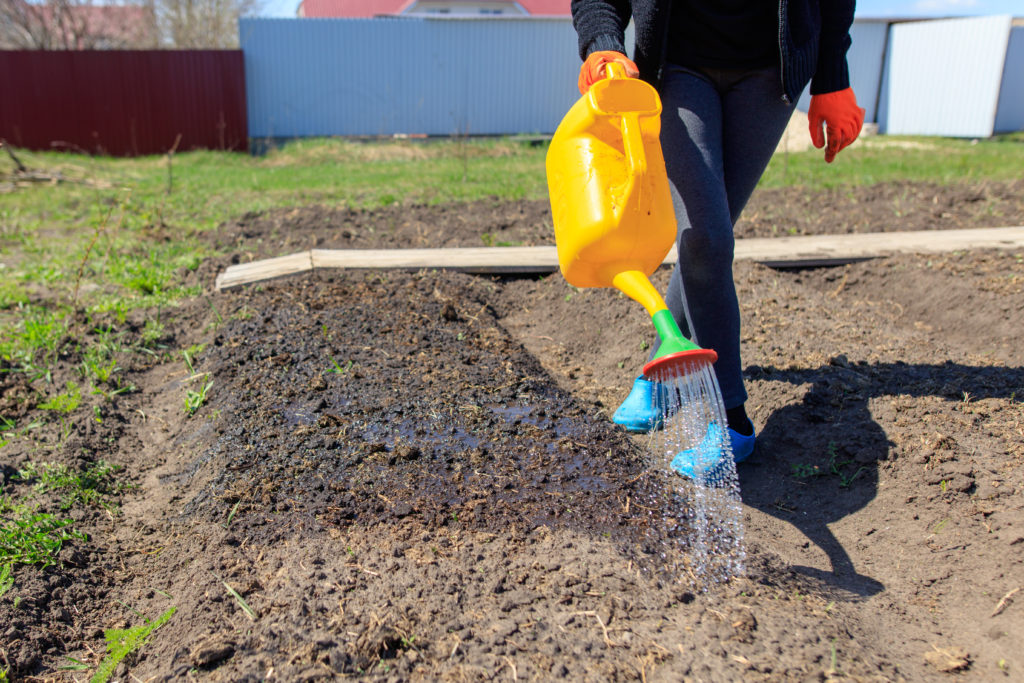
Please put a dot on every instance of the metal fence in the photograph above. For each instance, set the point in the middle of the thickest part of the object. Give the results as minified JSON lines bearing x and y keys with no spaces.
{"x":419,"y":76}
{"x":447,"y":76}
{"x":457,"y":76}
{"x":123,"y":103}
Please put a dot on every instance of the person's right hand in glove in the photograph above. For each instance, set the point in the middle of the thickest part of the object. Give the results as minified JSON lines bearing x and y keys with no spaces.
{"x":842,"y":118}
{"x":594,"y":70}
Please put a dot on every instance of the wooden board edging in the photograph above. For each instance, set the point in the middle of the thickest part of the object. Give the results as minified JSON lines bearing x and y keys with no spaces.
{"x":778,"y":252}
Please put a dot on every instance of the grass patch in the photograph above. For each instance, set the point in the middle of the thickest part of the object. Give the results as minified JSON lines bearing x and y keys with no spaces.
{"x":65,"y":402}
{"x":881,"y":159}
{"x":92,"y":486}
{"x":31,"y":537}
{"x":123,"y":642}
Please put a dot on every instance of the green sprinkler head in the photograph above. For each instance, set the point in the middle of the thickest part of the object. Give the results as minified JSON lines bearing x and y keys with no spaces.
{"x":677,"y":355}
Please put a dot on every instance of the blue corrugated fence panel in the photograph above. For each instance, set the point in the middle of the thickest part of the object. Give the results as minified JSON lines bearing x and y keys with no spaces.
{"x":319,"y":77}
{"x":1010,"y":110}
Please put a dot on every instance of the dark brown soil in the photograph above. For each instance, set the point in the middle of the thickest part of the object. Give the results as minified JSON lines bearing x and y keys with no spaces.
{"x":413,"y":476}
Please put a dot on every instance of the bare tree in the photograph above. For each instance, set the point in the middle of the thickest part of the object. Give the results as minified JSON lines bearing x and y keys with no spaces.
{"x":201,"y":24}
{"x":76,"y":25}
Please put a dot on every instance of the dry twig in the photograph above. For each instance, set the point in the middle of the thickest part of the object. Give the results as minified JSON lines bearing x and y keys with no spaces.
{"x":1005,"y":602}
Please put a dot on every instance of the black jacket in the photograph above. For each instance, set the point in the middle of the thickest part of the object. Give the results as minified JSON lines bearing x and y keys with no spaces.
{"x":814,"y":36}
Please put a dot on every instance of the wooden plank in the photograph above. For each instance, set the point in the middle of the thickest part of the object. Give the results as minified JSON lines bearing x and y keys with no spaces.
{"x":795,"y":251}
{"x":255,"y":271}
{"x":836,"y":249}
{"x":468,"y":259}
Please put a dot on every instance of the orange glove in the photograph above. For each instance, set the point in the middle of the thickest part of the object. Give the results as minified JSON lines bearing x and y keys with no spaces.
{"x":842,"y":118}
{"x":593,"y":69}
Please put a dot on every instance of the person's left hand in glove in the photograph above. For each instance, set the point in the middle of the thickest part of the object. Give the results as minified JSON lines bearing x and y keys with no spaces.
{"x":842,"y":118}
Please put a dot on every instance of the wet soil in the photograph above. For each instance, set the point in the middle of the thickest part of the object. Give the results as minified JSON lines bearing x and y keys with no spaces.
{"x":413,"y":476}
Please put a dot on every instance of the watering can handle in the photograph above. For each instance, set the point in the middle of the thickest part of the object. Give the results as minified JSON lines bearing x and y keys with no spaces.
{"x":633,"y":146}
{"x":614,"y":70}
{"x":632,"y":141}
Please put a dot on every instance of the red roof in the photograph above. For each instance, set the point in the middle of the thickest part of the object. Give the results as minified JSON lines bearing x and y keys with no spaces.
{"x":372,"y":8}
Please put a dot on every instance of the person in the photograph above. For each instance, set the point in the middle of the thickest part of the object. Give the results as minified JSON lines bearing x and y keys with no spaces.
{"x":729,"y":73}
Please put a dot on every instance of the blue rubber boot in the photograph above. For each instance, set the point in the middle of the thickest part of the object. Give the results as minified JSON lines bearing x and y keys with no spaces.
{"x":641,"y":411}
{"x":707,"y":457}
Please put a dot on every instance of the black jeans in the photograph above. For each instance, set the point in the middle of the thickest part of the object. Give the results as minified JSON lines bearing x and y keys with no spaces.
{"x":719,"y":128}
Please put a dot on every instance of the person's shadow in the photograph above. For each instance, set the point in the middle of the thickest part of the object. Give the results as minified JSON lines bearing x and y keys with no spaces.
{"x":817,"y":461}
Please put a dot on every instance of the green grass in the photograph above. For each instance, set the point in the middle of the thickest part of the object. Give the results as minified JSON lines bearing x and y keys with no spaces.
{"x":31,"y":537}
{"x":92,"y":486}
{"x":881,"y":159}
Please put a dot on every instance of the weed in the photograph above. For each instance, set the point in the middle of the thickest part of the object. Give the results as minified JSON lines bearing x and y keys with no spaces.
{"x":98,"y":370}
{"x":188,"y":355}
{"x":805,"y":470}
{"x":109,"y":395}
{"x":12,"y":295}
{"x":239,"y":599}
{"x":152,"y":331}
{"x":89,"y":487}
{"x":6,"y":581}
{"x":833,"y":669}
{"x":75,"y":665}
{"x":218,"y":319}
{"x":337,"y":369}
{"x":30,"y":537}
{"x":122,"y":642}
{"x":33,"y":345}
{"x":836,"y":467}
{"x":246,"y":313}
{"x":65,"y":402}
{"x":231,"y":515}
{"x":194,"y":400}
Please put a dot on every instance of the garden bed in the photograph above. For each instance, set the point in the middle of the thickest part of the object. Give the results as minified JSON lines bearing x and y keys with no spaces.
{"x":414,"y":475}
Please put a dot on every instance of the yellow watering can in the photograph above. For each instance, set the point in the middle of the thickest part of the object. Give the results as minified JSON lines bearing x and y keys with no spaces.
{"x":611,"y":207}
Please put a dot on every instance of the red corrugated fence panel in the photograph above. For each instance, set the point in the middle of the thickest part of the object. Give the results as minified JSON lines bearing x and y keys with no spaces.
{"x":123,"y":102}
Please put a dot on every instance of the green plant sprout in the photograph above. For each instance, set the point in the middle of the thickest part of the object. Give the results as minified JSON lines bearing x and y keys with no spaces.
{"x":122,"y":642}
{"x":75,"y":665}
{"x":194,"y":400}
{"x":249,"y":612}
{"x":337,"y":369}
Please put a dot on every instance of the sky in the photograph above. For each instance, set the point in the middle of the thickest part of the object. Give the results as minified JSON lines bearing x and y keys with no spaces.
{"x":865,"y":8}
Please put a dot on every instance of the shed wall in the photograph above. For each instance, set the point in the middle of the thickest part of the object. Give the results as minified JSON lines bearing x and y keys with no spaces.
{"x":1010,"y":110}
{"x":944,"y":76}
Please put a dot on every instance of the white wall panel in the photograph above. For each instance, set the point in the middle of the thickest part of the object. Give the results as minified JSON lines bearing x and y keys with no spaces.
{"x":944,"y":76}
